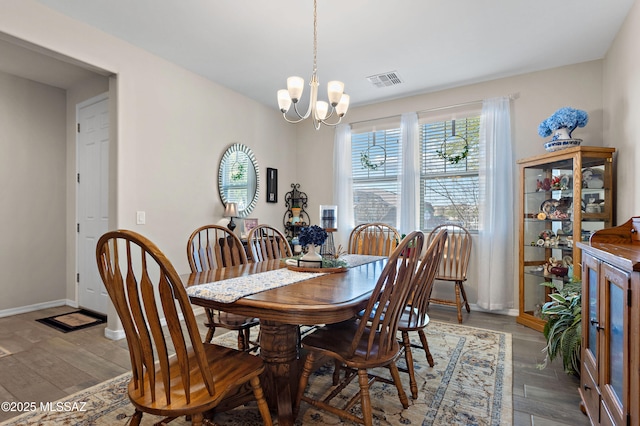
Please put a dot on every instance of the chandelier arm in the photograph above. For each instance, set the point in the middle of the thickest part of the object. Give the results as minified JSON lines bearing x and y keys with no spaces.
{"x":288,"y":120}
{"x":306,"y":114}
{"x":331,"y":124}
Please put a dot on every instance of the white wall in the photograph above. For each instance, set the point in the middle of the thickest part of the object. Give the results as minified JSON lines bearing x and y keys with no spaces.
{"x":32,"y":172}
{"x":539,"y":95}
{"x":172,"y":128}
{"x":622,"y":110}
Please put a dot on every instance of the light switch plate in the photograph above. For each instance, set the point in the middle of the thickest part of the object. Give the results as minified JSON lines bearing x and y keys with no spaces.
{"x":140,"y":218}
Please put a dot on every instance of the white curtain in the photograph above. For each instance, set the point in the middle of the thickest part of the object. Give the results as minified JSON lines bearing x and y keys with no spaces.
{"x":343,"y":183}
{"x":409,"y":173}
{"x":496,"y":248}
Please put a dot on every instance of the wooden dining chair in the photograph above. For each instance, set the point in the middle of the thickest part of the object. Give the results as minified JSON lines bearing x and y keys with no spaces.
{"x":454,"y":265}
{"x":145,"y":290}
{"x":361,"y":345}
{"x":415,"y":316}
{"x":352,"y":247}
{"x":266,"y":242}
{"x":211,"y":247}
{"x":378,"y":239}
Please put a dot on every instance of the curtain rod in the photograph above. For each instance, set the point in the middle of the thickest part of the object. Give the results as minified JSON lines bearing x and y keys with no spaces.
{"x":512,"y":96}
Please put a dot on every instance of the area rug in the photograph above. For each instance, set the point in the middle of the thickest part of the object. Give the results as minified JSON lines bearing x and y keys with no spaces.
{"x":470,"y":384}
{"x":72,"y":321}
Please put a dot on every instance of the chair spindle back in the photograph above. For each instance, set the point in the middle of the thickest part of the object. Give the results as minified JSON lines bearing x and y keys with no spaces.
{"x":137,"y":275}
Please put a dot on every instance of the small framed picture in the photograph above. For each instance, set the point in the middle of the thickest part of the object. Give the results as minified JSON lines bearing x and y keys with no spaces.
{"x":272,"y":185}
{"x":249,"y":224}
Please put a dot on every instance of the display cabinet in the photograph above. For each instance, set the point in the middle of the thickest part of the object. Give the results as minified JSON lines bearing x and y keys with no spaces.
{"x":610,"y":353}
{"x":565,"y":196}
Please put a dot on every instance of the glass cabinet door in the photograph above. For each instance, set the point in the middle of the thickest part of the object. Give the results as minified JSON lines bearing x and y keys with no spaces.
{"x":613,"y":319}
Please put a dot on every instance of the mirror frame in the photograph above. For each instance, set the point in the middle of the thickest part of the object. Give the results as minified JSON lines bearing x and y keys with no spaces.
{"x":234,"y":148}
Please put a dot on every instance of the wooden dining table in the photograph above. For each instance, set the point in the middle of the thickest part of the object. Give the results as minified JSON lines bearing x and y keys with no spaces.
{"x":324,"y":299}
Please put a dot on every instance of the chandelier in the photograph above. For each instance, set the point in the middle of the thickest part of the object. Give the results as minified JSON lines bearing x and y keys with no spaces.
{"x":318,"y":110}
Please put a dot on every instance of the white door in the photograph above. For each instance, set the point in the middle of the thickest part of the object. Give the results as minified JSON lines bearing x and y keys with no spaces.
{"x":92,"y":192}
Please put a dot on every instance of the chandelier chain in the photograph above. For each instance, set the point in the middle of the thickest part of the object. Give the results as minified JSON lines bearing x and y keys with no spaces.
{"x":315,"y":37}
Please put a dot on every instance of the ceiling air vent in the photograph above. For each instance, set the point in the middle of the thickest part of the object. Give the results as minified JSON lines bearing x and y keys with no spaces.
{"x":386,"y":79}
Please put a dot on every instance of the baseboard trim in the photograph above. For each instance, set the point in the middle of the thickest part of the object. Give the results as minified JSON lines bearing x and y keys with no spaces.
{"x":34,"y":307}
{"x":114,"y":334}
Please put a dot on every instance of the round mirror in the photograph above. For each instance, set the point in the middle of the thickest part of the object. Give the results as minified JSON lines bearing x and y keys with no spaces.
{"x":238,"y":178}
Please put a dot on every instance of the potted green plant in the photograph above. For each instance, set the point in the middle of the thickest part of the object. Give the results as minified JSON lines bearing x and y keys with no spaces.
{"x":563,"y":330}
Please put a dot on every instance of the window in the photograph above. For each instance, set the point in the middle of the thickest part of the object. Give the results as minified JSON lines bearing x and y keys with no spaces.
{"x":375,"y":164}
{"x":449,"y":190}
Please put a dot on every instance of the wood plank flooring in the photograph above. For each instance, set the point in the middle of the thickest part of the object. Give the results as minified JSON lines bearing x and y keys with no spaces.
{"x":46,"y":364}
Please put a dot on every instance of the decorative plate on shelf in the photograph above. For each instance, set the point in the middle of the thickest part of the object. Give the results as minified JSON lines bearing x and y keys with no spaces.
{"x":549,"y":206}
{"x":589,"y":173}
{"x":565,"y":182}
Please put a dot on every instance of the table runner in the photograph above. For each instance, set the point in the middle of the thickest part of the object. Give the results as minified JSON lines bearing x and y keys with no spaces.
{"x":232,"y":289}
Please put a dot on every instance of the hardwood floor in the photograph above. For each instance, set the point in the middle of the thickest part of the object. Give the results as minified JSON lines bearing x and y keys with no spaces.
{"x":46,"y":365}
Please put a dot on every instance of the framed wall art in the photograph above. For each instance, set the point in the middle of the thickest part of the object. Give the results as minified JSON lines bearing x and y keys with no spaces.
{"x":272,"y":185}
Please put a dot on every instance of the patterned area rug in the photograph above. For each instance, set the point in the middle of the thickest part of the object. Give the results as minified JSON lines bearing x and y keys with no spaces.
{"x":469,"y":385}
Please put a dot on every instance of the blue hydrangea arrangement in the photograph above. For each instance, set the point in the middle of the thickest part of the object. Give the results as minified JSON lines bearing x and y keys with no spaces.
{"x":312,"y":235}
{"x":564,"y":117}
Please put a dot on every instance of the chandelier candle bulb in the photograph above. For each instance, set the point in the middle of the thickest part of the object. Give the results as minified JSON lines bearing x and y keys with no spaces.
{"x":295,"y":86}
{"x":343,"y":105}
{"x":284,"y":100}
{"x":321,"y":110}
{"x":335,"y":90}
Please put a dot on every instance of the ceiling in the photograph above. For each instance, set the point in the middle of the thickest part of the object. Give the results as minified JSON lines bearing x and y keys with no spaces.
{"x":252,"y":46}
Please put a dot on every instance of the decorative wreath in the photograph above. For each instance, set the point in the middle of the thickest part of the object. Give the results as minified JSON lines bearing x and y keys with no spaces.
{"x":237,"y":171}
{"x":449,"y":156}
{"x":365,"y":158}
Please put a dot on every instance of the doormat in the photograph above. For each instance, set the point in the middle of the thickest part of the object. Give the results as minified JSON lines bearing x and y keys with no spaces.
{"x":72,"y":321}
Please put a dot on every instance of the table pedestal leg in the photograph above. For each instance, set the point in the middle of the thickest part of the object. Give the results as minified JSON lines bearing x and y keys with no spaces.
{"x":279,"y":350}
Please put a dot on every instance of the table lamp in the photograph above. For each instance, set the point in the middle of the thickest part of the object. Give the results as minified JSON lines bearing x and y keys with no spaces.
{"x":231,"y":211}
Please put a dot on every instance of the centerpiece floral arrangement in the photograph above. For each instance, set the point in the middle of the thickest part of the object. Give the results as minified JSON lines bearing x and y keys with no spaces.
{"x":564,"y":118}
{"x":312,"y":235}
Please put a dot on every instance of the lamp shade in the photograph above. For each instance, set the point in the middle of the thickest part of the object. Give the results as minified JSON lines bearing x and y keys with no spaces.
{"x":231,"y":210}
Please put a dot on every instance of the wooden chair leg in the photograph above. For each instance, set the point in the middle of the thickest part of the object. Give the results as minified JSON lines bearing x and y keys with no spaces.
{"x":408,"y":357}
{"x":365,"y":398}
{"x":211,"y":329}
{"x":262,"y":402}
{"x":304,"y":379}
{"x":136,"y":418}
{"x":241,"y":343}
{"x":464,"y":296}
{"x":425,"y":346}
{"x":196,"y":419}
{"x":337,"y":367}
{"x":395,"y":374}
{"x":458,"y":303}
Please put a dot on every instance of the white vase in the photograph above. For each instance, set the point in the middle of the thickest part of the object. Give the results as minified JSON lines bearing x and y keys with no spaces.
{"x":561,"y":133}
{"x":311,"y":254}
{"x":561,"y":140}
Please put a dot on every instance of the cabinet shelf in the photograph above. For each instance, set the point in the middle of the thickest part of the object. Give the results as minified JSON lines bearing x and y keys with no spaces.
{"x":536,"y":173}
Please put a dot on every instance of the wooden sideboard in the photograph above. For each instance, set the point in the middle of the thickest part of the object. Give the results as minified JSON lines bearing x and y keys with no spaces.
{"x":610,"y":357}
